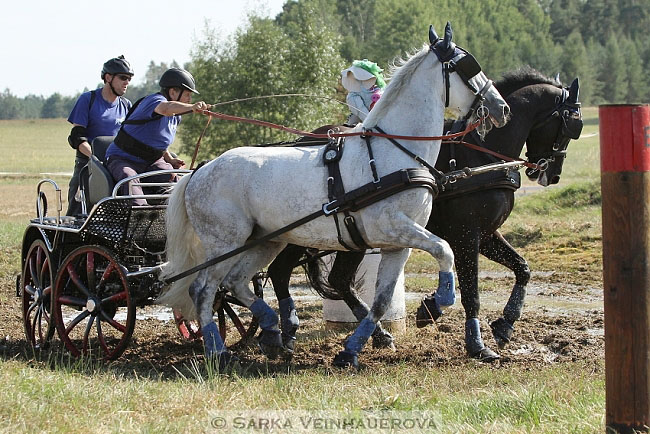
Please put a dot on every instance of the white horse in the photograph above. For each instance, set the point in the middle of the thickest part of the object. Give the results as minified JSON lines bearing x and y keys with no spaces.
{"x":249,"y":192}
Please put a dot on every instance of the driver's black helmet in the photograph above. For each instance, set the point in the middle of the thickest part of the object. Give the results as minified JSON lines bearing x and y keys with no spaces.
{"x":117,"y":65}
{"x":177,"y":77}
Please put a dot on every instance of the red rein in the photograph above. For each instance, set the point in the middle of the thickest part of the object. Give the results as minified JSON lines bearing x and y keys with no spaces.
{"x":447,"y":137}
{"x":325,"y":136}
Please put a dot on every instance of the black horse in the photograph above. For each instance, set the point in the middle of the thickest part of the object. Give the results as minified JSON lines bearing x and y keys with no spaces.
{"x":468,"y":213}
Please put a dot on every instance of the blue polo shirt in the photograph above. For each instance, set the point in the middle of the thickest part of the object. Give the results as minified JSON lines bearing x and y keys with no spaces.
{"x":158,"y":133}
{"x":103,"y":118}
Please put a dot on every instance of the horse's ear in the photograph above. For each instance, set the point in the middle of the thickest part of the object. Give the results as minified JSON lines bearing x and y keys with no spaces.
{"x":574,"y":91}
{"x":433,"y":36}
{"x":448,"y":35}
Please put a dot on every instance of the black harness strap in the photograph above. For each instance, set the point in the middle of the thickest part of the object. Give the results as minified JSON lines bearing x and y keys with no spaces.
{"x":354,"y":200}
{"x":336,"y":190}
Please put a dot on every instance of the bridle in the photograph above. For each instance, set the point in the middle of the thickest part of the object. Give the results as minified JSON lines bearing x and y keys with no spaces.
{"x":452,"y":59}
{"x":456,"y":59}
{"x":571,"y":127}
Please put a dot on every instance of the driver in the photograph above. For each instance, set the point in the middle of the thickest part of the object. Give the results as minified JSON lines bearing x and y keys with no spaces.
{"x":98,"y":112}
{"x":142,"y":142}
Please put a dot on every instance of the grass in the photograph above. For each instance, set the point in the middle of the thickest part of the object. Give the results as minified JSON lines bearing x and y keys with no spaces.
{"x":474,"y":399}
{"x":556,"y":230}
{"x":35,"y":146}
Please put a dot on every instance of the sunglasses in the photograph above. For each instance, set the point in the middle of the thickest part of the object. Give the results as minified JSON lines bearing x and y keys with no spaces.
{"x":124,"y":77}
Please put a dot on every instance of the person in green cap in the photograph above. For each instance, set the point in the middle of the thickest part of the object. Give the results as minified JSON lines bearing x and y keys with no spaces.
{"x":365,"y":83}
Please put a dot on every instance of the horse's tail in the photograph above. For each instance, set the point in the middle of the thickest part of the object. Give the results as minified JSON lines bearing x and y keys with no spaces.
{"x":314,"y":271}
{"x":184,"y":251}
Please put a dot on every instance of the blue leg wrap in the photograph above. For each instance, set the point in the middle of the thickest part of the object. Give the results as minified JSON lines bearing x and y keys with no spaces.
{"x":289,"y":321}
{"x":473,"y":340}
{"x":265,"y":315}
{"x":445,"y":294}
{"x":212,"y":340}
{"x":358,"y":339}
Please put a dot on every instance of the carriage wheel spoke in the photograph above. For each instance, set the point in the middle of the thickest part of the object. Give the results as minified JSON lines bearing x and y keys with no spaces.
{"x":31,"y":307}
{"x":69,"y":300}
{"x":76,"y":321}
{"x":89,"y":326}
{"x":235,"y":319}
{"x":116,"y":297}
{"x":221,"y":317}
{"x":34,"y":321}
{"x":114,"y":323}
{"x":47,"y":291}
{"x":100,"y":335}
{"x":46,"y":315}
{"x":39,"y":316}
{"x":109,"y":270}
{"x":75,"y":279}
{"x":90,"y":270}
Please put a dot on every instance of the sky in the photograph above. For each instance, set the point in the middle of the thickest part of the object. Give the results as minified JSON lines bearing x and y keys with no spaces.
{"x":60,"y":46}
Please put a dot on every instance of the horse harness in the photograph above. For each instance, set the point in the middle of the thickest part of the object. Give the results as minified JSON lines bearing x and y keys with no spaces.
{"x":569,"y":113}
{"x":571,"y":127}
{"x":374,"y":191}
{"x":453,"y":59}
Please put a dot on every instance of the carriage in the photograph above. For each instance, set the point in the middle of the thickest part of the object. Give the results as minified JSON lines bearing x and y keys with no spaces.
{"x":84,"y":276}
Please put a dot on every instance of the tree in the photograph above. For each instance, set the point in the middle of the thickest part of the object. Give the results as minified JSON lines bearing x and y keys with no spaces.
{"x":636,"y":78}
{"x":54,"y":107}
{"x":614,"y":75}
{"x":265,"y":59}
{"x":150,"y":84}
{"x":10,"y":106}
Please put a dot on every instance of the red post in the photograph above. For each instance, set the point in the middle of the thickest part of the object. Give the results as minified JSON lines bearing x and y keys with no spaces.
{"x":625,"y":187}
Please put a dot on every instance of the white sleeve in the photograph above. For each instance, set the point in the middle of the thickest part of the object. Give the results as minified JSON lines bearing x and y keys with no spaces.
{"x":357,"y":107}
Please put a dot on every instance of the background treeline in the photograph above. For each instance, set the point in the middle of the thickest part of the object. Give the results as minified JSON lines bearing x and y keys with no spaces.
{"x":59,"y":106}
{"x":603,"y":42}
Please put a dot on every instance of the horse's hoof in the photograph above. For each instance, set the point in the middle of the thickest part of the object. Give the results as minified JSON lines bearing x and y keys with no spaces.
{"x":270,"y":343}
{"x":485,"y":355}
{"x":428,"y":312}
{"x":383,"y":340}
{"x":502,"y":331}
{"x":345,"y":359}
{"x":288,"y":347}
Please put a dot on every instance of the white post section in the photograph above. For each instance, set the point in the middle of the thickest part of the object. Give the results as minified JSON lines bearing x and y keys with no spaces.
{"x":337,"y":314}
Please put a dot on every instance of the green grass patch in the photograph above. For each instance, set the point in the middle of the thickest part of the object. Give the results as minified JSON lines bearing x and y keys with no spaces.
{"x":36,"y":146}
{"x":472,"y":398}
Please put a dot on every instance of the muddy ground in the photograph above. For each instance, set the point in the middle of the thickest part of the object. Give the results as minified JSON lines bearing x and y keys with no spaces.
{"x":562,"y":322}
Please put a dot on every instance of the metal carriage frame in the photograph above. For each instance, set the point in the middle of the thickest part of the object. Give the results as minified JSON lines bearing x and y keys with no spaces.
{"x":84,"y":276}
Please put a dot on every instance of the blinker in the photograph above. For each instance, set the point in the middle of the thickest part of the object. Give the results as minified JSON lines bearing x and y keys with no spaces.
{"x":467,"y":67}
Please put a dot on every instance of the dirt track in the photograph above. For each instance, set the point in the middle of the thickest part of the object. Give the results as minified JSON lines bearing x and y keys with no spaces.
{"x":561,"y":322}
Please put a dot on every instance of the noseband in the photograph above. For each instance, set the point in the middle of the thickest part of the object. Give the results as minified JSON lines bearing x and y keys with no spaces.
{"x":571,"y":127}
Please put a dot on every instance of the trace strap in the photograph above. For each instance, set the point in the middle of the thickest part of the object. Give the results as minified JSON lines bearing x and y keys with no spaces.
{"x":354,"y":200}
{"x":496,"y":154}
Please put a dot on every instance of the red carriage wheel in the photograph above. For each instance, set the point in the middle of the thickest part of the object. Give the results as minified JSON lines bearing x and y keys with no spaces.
{"x":231,"y":315}
{"x":93,"y":309}
{"x":36,"y":291}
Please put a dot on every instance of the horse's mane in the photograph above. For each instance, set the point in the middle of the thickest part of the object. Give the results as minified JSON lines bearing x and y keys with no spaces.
{"x":522,"y":77}
{"x":400,"y":72}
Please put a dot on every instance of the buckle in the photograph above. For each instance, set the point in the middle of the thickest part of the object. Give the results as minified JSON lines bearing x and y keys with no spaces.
{"x":327,"y":211}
